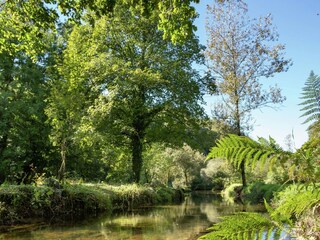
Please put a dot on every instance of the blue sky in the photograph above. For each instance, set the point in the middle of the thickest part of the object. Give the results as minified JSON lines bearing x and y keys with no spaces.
{"x":297,"y":22}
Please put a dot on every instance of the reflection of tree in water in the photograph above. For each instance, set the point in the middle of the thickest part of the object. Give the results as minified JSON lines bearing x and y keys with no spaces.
{"x":205,"y":196}
{"x":170,"y":222}
{"x":137,"y":233}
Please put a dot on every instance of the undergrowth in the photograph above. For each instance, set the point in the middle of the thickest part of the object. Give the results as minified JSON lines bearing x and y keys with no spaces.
{"x":20,"y":202}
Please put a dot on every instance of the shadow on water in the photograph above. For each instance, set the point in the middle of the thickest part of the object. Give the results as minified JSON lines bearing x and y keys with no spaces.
{"x":168,"y":222}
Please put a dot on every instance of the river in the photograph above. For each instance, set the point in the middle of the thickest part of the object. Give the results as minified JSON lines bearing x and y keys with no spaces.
{"x":169,"y":222}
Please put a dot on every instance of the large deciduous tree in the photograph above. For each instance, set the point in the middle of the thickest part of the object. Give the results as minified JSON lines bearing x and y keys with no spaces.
{"x":24,"y":22}
{"x":241,"y":51}
{"x":129,"y":85}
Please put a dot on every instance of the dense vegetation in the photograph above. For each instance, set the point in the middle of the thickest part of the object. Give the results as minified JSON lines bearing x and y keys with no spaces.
{"x":295,"y":208}
{"x":97,"y":94}
{"x":108,"y":92}
{"x":73,"y":200}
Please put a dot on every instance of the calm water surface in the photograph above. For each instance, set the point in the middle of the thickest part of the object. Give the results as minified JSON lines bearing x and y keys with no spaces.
{"x":171,"y":222}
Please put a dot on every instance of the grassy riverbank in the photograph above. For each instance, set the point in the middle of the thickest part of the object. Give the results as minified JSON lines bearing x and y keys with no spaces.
{"x":19,"y":203}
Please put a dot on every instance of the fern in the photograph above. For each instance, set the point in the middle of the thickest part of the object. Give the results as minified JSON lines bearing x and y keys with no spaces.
{"x":294,"y":201}
{"x":311,"y":99}
{"x":237,"y":149}
{"x":244,"y":226}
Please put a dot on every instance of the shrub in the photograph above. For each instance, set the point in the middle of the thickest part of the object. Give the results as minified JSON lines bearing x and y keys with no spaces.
{"x":23,"y":201}
{"x":257,"y":192}
{"x":230,"y":193}
{"x":81,"y":199}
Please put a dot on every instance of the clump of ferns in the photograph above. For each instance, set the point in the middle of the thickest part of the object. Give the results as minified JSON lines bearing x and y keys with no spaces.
{"x":292,"y":204}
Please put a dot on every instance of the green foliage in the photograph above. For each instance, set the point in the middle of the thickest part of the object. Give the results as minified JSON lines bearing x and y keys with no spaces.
{"x":243,"y":226}
{"x":98,"y":77}
{"x":81,"y":199}
{"x":24,"y":24}
{"x":24,"y":145}
{"x":127,"y":197}
{"x":24,"y":201}
{"x":304,"y":163}
{"x":238,"y":149}
{"x":53,"y":200}
{"x":294,"y":201}
{"x":310,"y":96}
{"x":130,"y":87}
{"x":229,"y":193}
{"x":259,"y":191}
{"x":130,"y":196}
{"x":220,"y":173}
{"x":172,"y":167}
{"x":311,"y":104}
{"x":169,"y":195}
{"x":293,"y":206}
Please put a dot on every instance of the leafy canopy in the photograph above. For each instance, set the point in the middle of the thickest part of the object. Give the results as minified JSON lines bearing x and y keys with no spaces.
{"x":24,"y":23}
{"x":122,"y":83}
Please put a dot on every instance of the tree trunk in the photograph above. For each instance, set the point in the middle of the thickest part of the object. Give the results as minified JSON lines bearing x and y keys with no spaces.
{"x":238,"y":131}
{"x":136,"y":148}
{"x":186,"y":178}
{"x":170,"y":181}
{"x":243,"y":174}
{"x":62,"y":169}
{"x":3,"y":144}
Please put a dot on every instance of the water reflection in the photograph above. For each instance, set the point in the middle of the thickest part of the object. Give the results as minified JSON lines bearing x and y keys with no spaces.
{"x":171,"y":222}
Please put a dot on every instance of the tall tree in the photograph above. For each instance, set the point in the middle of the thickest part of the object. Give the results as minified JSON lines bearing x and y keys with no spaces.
{"x":26,"y":21}
{"x":147,"y":87}
{"x":68,"y":97}
{"x":240,"y":52}
{"x":24,"y":145}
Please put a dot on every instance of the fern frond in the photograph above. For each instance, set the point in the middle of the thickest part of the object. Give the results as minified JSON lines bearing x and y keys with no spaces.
{"x":244,"y":226}
{"x":296,"y":201}
{"x":311,"y":97}
{"x":237,"y":149}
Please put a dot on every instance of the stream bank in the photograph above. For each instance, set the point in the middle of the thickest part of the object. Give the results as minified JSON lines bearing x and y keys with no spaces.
{"x":184,"y":221}
{"x":24,"y":203}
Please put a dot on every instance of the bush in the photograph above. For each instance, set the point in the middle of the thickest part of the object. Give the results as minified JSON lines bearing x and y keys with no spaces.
{"x":23,"y":201}
{"x":257,"y":192}
{"x":169,"y":195}
{"x":205,"y":183}
{"x":230,"y":193}
{"x":127,"y":197}
{"x":81,"y":199}
{"x":18,"y":202}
